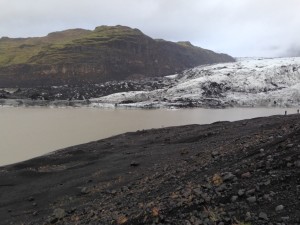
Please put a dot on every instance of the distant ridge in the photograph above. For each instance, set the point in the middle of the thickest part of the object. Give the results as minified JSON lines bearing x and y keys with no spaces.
{"x":106,"y":53}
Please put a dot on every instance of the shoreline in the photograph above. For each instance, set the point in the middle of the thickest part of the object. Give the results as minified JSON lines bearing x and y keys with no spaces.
{"x":170,"y":175}
{"x":137,"y":105}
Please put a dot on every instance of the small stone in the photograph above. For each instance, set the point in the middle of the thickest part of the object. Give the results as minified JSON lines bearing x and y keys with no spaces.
{"x":279,"y":208}
{"x":214,"y":154}
{"x":290,"y":145}
{"x":241,"y":192}
{"x":227,"y":219}
{"x":263,"y":216}
{"x":221,"y":188}
{"x":267,"y":182}
{"x":234,"y":198}
{"x":267,"y":197}
{"x":134,"y":164}
{"x":217,"y":180}
{"x":59,"y":213}
{"x":84,"y":190}
{"x":285,"y":218}
{"x":246,"y":175}
{"x":35,"y":213}
{"x":197,"y":191}
{"x":250,"y":192}
{"x":53,"y":220}
{"x":288,"y":159}
{"x":248,"y":215}
{"x":228,"y":176}
{"x":251,"y":199}
{"x":184,"y":152}
{"x":125,"y":188}
{"x":30,"y":199}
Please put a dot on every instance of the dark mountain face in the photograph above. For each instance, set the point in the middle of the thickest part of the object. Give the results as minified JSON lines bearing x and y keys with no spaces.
{"x":107,"y":53}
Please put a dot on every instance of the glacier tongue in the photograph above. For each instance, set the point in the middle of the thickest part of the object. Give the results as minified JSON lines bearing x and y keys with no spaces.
{"x":247,"y":82}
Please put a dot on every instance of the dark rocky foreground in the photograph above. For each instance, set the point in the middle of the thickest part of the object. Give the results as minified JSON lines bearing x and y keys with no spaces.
{"x":245,"y":172}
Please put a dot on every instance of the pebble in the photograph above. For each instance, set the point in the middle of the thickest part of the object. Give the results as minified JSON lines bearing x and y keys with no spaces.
{"x":197,"y":191}
{"x":53,"y":220}
{"x":221,"y":188}
{"x":30,"y":199}
{"x":248,"y":216}
{"x":290,"y":145}
{"x":288,"y":159}
{"x":263,"y":216}
{"x":134,"y":164}
{"x":241,"y":192}
{"x":251,"y":199}
{"x":267,"y":197}
{"x":113,"y":192}
{"x":267,"y":182}
{"x":59,"y":213}
{"x":285,"y":218}
{"x":279,"y":208}
{"x":214,"y":154}
{"x":234,"y":198}
{"x":228,"y":176}
{"x":250,"y":192}
{"x":84,"y":190}
{"x":246,"y":175}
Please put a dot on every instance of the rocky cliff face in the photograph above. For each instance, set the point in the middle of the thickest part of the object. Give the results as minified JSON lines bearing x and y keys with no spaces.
{"x":107,"y":53}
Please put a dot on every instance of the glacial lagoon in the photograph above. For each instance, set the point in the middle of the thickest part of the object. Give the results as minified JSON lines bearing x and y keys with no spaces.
{"x":30,"y":132}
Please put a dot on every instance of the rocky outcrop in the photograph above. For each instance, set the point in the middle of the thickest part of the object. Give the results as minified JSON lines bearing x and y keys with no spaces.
{"x":107,"y":53}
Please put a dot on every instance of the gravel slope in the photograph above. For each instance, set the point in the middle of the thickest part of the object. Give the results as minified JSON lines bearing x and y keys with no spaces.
{"x":244,"y":172}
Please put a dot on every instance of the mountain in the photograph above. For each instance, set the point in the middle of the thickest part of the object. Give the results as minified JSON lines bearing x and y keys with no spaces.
{"x":107,"y":53}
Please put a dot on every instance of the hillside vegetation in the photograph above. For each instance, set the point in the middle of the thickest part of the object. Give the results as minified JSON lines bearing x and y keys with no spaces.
{"x":106,"y":53}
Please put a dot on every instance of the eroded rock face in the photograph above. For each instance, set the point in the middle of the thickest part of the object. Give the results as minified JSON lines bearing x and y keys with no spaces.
{"x":107,"y":53}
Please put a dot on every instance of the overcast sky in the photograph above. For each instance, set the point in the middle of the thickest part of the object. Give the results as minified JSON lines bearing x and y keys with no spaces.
{"x":237,"y":27}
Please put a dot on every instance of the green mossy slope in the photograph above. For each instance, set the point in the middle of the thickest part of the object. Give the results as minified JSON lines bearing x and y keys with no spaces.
{"x":106,"y":53}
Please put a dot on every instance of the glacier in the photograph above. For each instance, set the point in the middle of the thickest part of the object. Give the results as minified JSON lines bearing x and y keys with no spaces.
{"x":248,"y":82}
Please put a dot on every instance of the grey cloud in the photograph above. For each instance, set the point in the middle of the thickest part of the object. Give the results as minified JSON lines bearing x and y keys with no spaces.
{"x":293,"y":50}
{"x":237,"y":27}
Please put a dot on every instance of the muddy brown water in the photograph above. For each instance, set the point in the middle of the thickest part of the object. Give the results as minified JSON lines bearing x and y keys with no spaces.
{"x":29,"y":132}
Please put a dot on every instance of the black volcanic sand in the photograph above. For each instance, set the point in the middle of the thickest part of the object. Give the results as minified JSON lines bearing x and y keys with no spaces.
{"x":245,"y":172}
